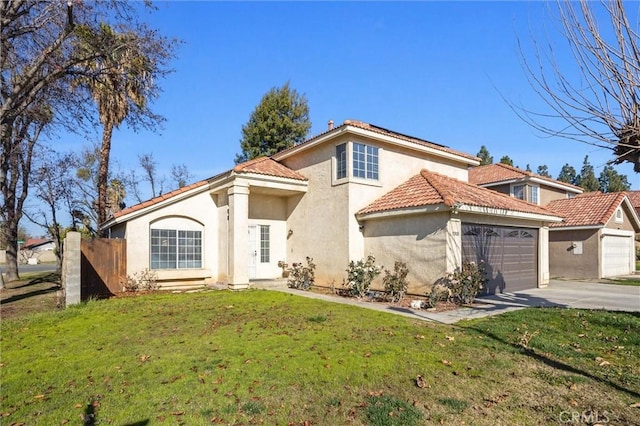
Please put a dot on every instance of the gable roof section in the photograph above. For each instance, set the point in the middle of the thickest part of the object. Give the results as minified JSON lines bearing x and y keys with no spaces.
{"x":373,"y":131}
{"x":593,"y":209}
{"x":430,"y":189}
{"x":261,"y":165}
{"x":498,"y":173}
{"x":267,"y":166}
{"x":634,"y":198}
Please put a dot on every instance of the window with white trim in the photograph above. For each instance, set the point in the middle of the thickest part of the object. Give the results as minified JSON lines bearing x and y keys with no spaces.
{"x":519,"y":192}
{"x":265,"y":248}
{"x":525,"y":192}
{"x":365,"y":161}
{"x":176,"y":249}
{"x":534,"y":194}
{"x":341,"y":161}
{"x":619,"y":216}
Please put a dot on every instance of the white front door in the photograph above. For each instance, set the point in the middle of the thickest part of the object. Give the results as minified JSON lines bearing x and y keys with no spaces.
{"x":253,"y":251}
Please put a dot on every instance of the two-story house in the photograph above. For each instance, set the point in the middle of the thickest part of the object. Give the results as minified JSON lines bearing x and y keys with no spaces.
{"x":354,"y":190}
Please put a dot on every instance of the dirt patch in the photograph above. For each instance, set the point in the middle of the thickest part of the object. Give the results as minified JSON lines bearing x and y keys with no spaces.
{"x":26,"y":297}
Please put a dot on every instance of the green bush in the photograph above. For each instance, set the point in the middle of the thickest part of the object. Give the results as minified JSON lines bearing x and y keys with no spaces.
{"x":396,"y":283}
{"x":467,"y":282}
{"x":302,"y":277}
{"x":360,"y":274}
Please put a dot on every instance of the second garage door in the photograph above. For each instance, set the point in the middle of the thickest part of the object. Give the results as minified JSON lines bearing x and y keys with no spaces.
{"x":616,"y":255}
{"x":510,"y":255}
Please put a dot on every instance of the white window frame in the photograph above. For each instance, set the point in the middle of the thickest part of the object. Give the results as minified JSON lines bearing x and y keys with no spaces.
{"x":619,"y":216}
{"x":183,"y":249}
{"x":369,"y":162}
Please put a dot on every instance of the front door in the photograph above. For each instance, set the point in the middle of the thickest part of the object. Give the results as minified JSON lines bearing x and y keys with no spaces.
{"x":253,"y":251}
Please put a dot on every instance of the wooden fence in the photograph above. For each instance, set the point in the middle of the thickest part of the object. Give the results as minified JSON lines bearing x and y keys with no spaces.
{"x":103,"y":264}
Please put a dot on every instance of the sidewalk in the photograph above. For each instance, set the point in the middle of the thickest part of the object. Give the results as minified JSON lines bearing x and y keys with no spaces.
{"x":566,"y":294}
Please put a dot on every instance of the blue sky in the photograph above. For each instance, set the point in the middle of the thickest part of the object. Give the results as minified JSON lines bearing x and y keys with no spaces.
{"x":435,"y":70}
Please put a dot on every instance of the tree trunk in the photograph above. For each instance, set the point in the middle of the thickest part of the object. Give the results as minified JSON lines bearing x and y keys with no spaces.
{"x":11,"y":235}
{"x":103,"y":176}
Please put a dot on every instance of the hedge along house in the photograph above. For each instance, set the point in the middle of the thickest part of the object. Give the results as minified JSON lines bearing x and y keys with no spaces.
{"x":596,"y":239}
{"x":308,"y":200}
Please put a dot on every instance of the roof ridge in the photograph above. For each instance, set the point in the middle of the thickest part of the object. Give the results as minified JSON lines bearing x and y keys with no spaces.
{"x":239,"y":167}
{"x":447,"y":198}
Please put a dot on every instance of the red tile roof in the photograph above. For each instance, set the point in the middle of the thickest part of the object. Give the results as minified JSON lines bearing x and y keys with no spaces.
{"x":160,"y":198}
{"x":590,"y":209}
{"x":495,"y":173}
{"x":34,"y":242}
{"x":269,"y":167}
{"x":634,"y":197}
{"x":386,"y":132}
{"x":260,"y":165}
{"x":430,"y":188}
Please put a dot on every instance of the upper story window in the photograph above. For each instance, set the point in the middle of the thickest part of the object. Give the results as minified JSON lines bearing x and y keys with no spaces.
{"x":341,"y":161}
{"x":363,"y":159}
{"x":524,"y":192}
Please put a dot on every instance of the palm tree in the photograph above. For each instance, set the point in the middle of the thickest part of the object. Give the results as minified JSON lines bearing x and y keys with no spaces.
{"x":118,"y":81}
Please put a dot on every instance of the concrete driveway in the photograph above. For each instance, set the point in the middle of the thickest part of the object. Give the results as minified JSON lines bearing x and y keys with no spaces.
{"x":565,"y":294}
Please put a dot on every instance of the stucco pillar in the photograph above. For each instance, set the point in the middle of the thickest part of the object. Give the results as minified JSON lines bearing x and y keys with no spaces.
{"x":454,"y":244}
{"x":238,"y":236}
{"x":543,"y":256}
{"x":71,"y":273}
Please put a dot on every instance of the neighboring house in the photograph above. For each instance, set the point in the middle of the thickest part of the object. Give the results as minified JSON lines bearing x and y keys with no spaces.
{"x":634,"y":198}
{"x":596,"y":239}
{"x":354,"y":190}
{"x":528,"y":186}
{"x":37,"y":250}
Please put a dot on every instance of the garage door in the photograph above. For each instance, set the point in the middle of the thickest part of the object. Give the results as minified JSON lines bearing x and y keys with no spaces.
{"x":616,"y":255}
{"x":510,"y":255}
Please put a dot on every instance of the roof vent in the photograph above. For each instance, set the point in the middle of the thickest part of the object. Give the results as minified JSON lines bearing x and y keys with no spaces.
{"x":330,"y":123}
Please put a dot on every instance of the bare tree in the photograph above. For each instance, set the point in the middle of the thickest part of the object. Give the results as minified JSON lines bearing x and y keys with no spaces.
{"x":599,"y":106}
{"x":180,"y":175}
{"x":40,"y":65}
{"x":149,"y":166}
{"x":54,"y":187}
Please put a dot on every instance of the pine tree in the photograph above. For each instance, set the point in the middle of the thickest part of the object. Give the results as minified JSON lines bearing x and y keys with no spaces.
{"x":587,"y":178}
{"x":568,"y":174}
{"x":543,"y":170}
{"x":484,"y":156}
{"x":611,"y":181}
{"x":280,"y":121}
{"x":506,"y":160}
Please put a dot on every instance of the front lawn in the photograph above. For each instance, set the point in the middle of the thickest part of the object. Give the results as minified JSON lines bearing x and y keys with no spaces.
{"x":252,"y":357}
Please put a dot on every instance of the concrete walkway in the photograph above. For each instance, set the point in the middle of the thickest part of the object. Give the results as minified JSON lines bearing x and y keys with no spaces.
{"x":566,"y":294}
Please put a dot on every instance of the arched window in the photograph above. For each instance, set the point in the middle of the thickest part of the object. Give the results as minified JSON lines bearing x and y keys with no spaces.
{"x":176,"y":243}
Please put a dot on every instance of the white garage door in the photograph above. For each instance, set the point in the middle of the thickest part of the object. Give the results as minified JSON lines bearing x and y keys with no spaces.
{"x":616,"y":255}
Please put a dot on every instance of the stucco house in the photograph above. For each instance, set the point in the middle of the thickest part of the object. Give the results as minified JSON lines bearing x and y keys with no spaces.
{"x":354,"y":190}
{"x":596,"y":239}
{"x":37,"y":250}
{"x":521,"y":184}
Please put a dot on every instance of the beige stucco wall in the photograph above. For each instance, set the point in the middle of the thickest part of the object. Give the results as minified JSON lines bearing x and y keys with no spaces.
{"x":418,"y":240}
{"x":199,"y":208}
{"x":323,"y":220}
{"x":563,"y":262}
{"x":548,"y":194}
{"x":625,"y":225}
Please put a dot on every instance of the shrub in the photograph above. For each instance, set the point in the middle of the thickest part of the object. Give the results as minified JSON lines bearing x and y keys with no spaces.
{"x":465,"y":283}
{"x":396,"y":283}
{"x":360,"y":274}
{"x":300,"y":276}
{"x":145,"y":280}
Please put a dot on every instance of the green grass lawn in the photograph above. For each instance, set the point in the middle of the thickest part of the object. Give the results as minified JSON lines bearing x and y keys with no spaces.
{"x":263,"y":357}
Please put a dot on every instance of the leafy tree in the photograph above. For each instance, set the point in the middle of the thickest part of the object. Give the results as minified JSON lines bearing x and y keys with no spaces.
{"x":568,"y":174}
{"x":611,"y":181}
{"x":587,"y":178}
{"x":280,"y":121}
{"x":543,"y":170}
{"x":596,"y":101}
{"x":484,"y":156}
{"x":506,"y":160}
{"x":528,"y":169}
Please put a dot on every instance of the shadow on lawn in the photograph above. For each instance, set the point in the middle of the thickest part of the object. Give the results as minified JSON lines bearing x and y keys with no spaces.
{"x":558,"y":364}
{"x":16,"y":297}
